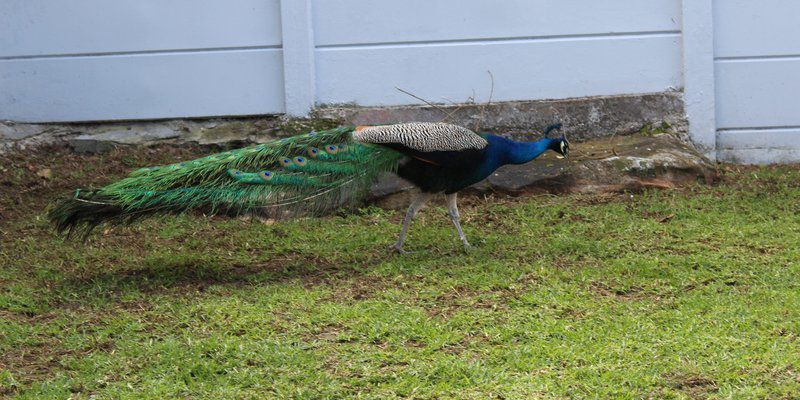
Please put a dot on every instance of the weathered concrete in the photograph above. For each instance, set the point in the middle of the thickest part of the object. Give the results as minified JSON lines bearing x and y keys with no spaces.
{"x":99,"y":137}
{"x":583,"y":118}
{"x":620,"y":163}
{"x":605,"y":156}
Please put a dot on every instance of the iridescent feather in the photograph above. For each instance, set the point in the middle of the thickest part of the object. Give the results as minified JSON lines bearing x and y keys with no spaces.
{"x":278,"y":178}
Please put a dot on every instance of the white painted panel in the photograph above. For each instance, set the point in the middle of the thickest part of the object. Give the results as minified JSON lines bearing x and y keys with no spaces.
{"x":764,"y":155}
{"x":522,"y":69}
{"x":39,"y":27}
{"x":369,"y":21}
{"x":786,"y":138}
{"x":165,"y":85}
{"x":698,"y":72}
{"x":758,"y":93}
{"x":746,"y":28}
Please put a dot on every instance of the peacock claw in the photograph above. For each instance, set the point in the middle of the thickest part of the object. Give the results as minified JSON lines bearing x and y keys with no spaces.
{"x":395,"y":248}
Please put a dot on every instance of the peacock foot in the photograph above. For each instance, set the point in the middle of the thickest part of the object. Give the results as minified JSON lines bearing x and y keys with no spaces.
{"x":398,"y":248}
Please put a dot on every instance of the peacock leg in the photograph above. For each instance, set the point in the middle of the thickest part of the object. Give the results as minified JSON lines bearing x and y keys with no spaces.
{"x":452,"y":209}
{"x":418,"y":202}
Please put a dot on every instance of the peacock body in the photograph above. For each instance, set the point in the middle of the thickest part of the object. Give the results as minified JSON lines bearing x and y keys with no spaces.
{"x":307,"y":174}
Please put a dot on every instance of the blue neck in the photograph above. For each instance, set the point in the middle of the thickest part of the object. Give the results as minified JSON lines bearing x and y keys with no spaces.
{"x":520,"y":152}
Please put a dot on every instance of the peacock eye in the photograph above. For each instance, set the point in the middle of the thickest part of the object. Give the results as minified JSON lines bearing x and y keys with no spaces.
{"x":286,"y":162}
{"x":265,"y":175}
{"x":300,"y":161}
{"x":313,"y":152}
{"x":332,"y":149}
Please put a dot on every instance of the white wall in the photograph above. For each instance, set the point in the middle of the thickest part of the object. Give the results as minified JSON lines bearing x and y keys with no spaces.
{"x":737,"y":60}
{"x":143,"y":59}
{"x":757,"y":66}
{"x":139,"y":59}
{"x":535,"y":49}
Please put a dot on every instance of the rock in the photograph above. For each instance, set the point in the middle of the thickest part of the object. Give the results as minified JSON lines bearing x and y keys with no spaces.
{"x":10,"y":131}
{"x":141,"y":135}
{"x":583,"y":118}
{"x":87,"y":145}
{"x":622,"y":163}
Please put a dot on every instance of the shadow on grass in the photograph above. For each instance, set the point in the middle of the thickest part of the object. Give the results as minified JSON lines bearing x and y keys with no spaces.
{"x":179,"y":274}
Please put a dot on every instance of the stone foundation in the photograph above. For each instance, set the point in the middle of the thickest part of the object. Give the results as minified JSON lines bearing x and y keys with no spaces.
{"x":583,"y":118}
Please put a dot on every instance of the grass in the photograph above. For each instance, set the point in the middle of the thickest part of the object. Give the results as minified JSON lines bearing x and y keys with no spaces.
{"x":690,"y":293}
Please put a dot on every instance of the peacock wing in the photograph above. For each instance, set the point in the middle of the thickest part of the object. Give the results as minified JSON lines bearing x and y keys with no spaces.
{"x":437,"y":144}
{"x":421,"y":137}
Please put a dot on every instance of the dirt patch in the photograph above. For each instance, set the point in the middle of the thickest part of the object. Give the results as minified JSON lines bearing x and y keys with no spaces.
{"x":188,"y":276}
{"x":35,"y":363}
{"x":31,"y":180}
{"x":694,"y":386}
{"x":622,"y":293}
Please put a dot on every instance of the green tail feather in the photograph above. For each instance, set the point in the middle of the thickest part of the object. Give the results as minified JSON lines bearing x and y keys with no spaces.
{"x":303,"y":175}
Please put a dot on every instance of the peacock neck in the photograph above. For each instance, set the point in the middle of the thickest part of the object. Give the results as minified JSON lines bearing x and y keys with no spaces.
{"x":523,"y":152}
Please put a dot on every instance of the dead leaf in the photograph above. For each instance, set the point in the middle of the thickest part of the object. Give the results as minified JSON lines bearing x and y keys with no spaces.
{"x":46,"y":173}
{"x":667,"y":218}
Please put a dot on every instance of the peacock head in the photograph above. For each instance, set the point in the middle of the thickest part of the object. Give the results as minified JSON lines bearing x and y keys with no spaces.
{"x":559,"y":145}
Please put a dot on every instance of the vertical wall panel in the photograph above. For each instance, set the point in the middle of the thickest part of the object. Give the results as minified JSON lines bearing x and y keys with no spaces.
{"x":535,"y":49}
{"x":758,"y":93}
{"x":89,"y":60}
{"x":746,"y":28}
{"x":347,"y":22}
{"x":171,"y":85}
{"x":758,"y":80}
{"x":46,"y":27}
{"x":522,"y":70}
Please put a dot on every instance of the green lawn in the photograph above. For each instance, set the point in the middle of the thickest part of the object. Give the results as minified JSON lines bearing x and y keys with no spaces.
{"x":689,"y":293}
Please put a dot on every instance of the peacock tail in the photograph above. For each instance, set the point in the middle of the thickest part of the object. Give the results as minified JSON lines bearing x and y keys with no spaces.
{"x":307,"y":174}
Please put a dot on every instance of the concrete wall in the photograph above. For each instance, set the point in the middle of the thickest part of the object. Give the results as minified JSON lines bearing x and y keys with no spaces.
{"x":85,"y":60}
{"x":142,"y":59}
{"x":535,"y":49}
{"x":139,"y":59}
{"x":757,"y":64}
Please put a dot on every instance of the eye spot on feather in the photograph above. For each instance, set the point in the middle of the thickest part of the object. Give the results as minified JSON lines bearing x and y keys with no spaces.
{"x":331,"y":149}
{"x":286,"y":162}
{"x":265,"y":175}
{"x":313,"y":152}
{"x":300,"y":161}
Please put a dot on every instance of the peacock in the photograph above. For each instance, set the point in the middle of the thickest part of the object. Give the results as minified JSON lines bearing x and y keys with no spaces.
{"x":308,"y":174}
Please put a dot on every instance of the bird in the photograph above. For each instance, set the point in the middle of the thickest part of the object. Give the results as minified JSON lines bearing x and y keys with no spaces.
{"x":307,"y":175}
